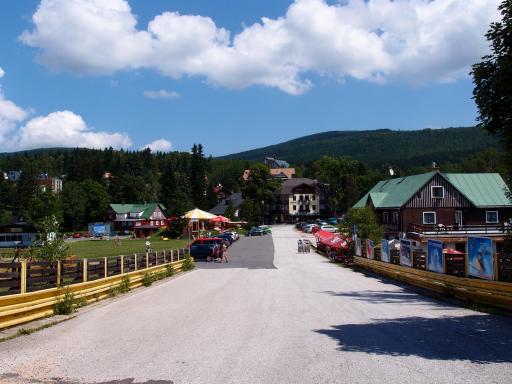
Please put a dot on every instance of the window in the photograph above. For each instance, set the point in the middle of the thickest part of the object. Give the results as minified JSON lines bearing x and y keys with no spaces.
{"x":429,"y":217}
{"x":491,"y":216}
{"x":294,"y":207}
{"x":314,"y":207}
{"x":314,"y":197}
{"x":294,"y":197}
{"x":438,"y":192}
{"x":385,"y":217}
{"x":395,"y":217}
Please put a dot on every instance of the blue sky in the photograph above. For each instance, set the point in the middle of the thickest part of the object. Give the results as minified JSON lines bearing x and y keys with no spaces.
{"x":227,"y":79}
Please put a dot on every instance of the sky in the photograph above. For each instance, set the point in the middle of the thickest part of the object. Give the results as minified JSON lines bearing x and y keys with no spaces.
{"x":231,"y":74}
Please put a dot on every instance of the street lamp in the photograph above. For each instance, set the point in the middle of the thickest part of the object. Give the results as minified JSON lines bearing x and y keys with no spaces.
{"x":262,"y":212}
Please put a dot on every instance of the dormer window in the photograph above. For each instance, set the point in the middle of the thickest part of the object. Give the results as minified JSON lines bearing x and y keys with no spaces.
{"x":437,"y":192}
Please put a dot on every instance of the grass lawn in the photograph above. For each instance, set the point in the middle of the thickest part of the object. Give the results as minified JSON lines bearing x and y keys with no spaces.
{"x":103,"y":248}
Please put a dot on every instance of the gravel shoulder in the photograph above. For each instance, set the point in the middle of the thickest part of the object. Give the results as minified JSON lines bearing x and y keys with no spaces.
{"x":295,"y":319}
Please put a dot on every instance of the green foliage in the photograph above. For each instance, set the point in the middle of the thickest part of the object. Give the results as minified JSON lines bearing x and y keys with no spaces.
{"x":188,"y":263}
{"x":198,"y":183}
{"x":147,"y":279}
{"x":230,"y":210}
{"x":492,"y":78}
{"x":169,"y":270}
{"x":124,"y":286}
{"x":68,"y":304}
{"x":368,"y":223}
{"x":50,"y":244}
{"x":251,"y":212}
{"x":176,"y":228}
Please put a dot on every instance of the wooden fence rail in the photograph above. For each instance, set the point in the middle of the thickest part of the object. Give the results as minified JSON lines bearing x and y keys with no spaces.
{"x":98,"y":278}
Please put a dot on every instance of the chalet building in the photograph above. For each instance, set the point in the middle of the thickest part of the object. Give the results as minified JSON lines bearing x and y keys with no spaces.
{"x":448,"y":206}
{"x":18,"y":235}
{"x":235,"y":200}
{"x":48,"y":183}
{"x":275,"y":163}
{"x":300,"y":199}
{"x":141,"y":219}
{"x":279,"y":169}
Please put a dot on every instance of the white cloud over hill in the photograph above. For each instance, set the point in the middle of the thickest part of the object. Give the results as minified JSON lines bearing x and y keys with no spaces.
{"x":380,"y":41}
{"x":160,"y":145}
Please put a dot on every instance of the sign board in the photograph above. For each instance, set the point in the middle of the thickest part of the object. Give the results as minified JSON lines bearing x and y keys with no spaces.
{"x":480,"y":258}
{"x":358,"y":247}
{"x":405,"y":253}
{"x":370,"y":249}
{"x":385,"y":252}
{"x":435,"y":256}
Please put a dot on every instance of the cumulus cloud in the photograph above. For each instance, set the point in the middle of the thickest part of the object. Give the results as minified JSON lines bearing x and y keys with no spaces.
{"x":371,"y":40}
{"x":10,"y":114}
{"x":162,"y":94}
{"x":160,"y":145}
{"x":2,"y":72}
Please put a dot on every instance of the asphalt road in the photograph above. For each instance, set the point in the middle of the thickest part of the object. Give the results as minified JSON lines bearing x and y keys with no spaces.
{"x":304,"y":321}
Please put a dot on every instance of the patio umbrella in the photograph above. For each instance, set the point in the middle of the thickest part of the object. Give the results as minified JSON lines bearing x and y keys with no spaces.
{"x":450,"y":251}
{"x":197,"y":214}
{"x":220,"y":219}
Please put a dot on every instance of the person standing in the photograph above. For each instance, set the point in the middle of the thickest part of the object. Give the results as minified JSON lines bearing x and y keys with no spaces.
{"x":224,"y":253}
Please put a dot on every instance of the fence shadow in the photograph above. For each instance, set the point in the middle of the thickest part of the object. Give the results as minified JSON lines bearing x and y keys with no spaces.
{"x":390,"y":297}
{"x":477,"y":338}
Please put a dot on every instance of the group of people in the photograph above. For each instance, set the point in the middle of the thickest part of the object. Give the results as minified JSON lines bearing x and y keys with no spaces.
{"x":304,"y":246}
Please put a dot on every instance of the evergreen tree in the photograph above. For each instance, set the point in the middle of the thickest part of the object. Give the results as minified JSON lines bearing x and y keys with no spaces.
{"x":198,"y":182}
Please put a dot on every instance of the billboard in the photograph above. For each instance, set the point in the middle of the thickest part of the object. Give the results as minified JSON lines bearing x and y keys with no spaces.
{"x":369,"y":249}
{"x":435,"y":256}
{"x":99,"y":229}
{"x":480,"y":258}
{"x":385,"y":254}
{"x":405,"y":252}
{"x":358,"y":247}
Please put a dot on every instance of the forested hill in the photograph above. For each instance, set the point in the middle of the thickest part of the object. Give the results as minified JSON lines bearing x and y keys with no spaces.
{"x":403,"y":148}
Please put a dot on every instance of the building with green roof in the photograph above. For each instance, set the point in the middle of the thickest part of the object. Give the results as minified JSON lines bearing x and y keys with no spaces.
{"x":435,"y":204}
{"x":141,"y":219}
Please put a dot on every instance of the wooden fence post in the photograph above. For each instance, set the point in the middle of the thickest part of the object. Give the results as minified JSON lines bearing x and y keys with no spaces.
{"x":23,"y":279}
{"x":105,"y":266}
{"x":172,"y":256}
{"x":156,"y":257}
{"x":122,"y":264}
{"x":496,"y":273}
{"x":58,"y":272}
{"x":84,"y":263}
{"x":165,"y":258}
{"x":135,"y":261}
{"x":147,"y":260}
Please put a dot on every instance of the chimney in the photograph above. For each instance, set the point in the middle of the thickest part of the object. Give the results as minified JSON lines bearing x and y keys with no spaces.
{"x":435,"y":167}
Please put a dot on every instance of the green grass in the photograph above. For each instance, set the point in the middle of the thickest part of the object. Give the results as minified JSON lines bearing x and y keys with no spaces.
{"x":104,"y":248}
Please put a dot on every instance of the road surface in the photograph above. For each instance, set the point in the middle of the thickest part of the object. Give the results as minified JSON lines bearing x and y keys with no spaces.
{"x":270,"y":315}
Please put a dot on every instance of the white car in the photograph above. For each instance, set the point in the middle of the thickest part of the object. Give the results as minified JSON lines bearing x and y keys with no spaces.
{"x":329,"y":228}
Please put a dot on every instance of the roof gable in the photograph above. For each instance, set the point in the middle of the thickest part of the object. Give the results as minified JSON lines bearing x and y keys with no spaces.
{"x":482,"y":189}
{"x":146,"y":209}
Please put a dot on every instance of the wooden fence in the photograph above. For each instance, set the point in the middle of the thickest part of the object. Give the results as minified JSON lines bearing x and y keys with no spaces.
{"x":31,"y":289}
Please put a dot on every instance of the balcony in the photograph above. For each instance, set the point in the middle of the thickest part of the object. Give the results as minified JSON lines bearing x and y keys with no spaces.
{"x":441,"y":230}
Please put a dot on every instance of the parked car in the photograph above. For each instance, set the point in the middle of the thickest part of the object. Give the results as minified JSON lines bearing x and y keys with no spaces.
{"x":329,"y":228}
{"x":332,"y":221}
{"x":265,"y":229}
{"x":255,"y":231}
{"x":308,"y":228}
{"x":205,"y":248}
{"x":315,"y":229}
{"x":77,"y":235}
{"x":233,"y":234}
{"x":227,"y":237}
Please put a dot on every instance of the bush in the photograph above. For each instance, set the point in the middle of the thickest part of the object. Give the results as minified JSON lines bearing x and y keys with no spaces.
{"x":147,"y":279}
{"x":68,"y":304}
{"x":188,"y":264}
{"x":124,"y":286}
{"x":169,"y":270}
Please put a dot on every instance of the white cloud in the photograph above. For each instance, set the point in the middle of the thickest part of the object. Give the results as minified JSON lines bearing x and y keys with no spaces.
{"x":2,"y":72}
{"x":162,"y":94}
{"x":160,"y":145}
{"x":66,"y":129}
{"x":372,"y":40}
{"x":10,"y":115}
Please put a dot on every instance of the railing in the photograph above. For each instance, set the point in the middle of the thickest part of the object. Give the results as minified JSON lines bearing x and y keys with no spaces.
{"x":32,"y":276}
{"x":89,"y":280}
{"x":432,"y":229}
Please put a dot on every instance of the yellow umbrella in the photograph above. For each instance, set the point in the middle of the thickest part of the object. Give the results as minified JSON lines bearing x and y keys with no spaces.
{"x":197,"y":214}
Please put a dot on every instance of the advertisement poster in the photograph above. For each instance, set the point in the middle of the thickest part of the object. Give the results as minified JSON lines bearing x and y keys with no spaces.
{"x":405,"y":253}
{"x":358,"y":247}
{"x":435,"y":256}
{"x":369,"y":249}
{"x":481,"y":258}
{"x":385,"y":254}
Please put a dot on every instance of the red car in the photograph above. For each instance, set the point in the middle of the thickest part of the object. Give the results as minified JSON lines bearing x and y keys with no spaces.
{"x":77,"y":235}
{"x":315,"y":229}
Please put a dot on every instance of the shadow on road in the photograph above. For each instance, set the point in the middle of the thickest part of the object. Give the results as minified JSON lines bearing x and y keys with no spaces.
{"x":386,"y":297}
{"x":477,"y":338}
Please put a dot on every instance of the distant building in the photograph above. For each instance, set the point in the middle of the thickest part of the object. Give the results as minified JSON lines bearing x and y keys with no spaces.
{"x":236,"y":200}
{"x":283,"y":173}
{"x":447,"y":206}
{"x":221,"y":192}
{"x":275,"y":163}
{"x":19,"y":235}
{"x":142,"y":219}
{"x":47,"y":183}
{"x":300,"y":199}
{"x":13,"y":175}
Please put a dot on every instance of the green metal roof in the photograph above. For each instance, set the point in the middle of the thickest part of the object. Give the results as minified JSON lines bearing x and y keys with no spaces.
{"x":481,"y":189}
{"x":147,"y":209}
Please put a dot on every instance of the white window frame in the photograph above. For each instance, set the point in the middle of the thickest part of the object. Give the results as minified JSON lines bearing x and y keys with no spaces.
{"x":435,"y":218}
{"x":432,"y":191}
{"x":491,"y":222}
{"x":385,"y":217}
{"x":395,"y":217}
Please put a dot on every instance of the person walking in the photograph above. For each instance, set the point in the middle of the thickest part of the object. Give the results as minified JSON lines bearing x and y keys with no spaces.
{"x":224,"y":253}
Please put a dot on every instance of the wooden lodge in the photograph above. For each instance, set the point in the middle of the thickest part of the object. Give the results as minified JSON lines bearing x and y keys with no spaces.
{"x":141,"y":219}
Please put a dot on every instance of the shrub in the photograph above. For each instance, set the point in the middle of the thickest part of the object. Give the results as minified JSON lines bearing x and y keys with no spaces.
{"x":124,"y":286}
{"x":169,"y":270}
{"x":147,"y":279}
{"x":68,"y":304}
{"x":188,"y":264}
